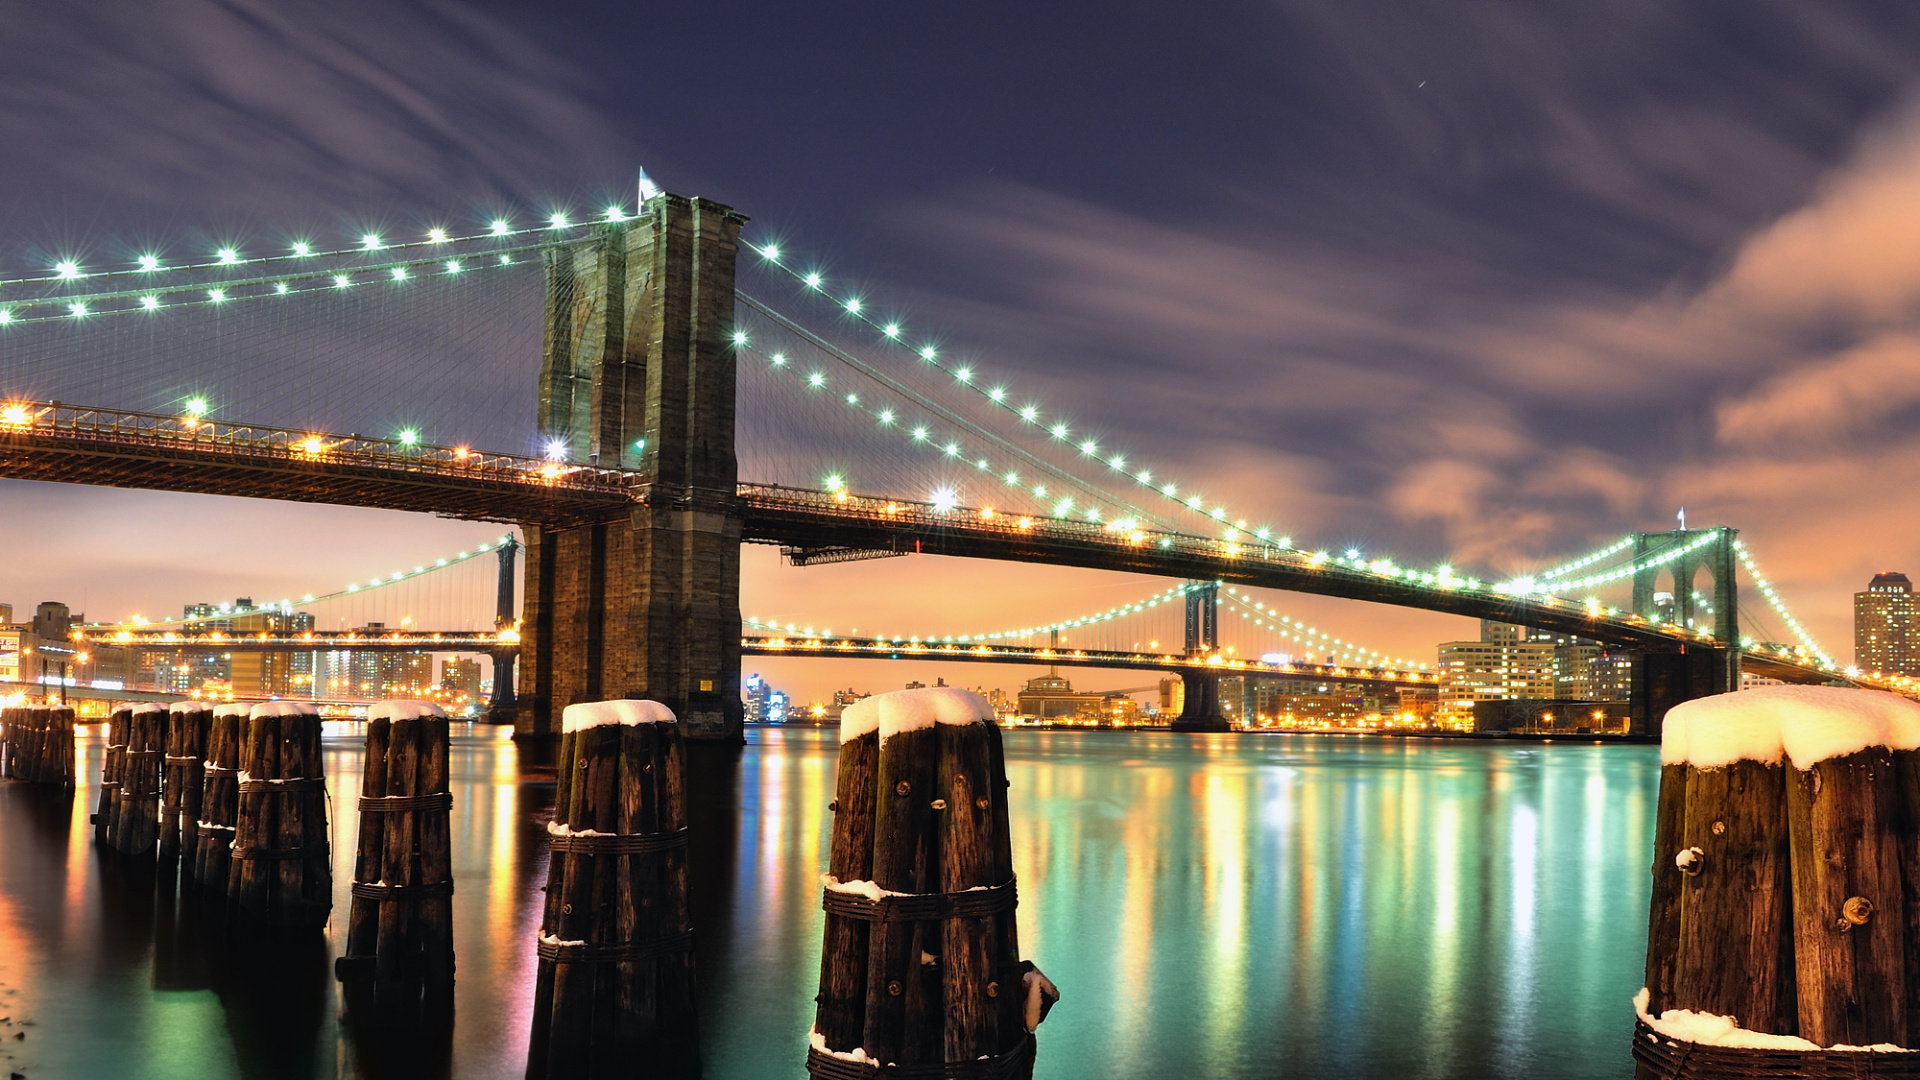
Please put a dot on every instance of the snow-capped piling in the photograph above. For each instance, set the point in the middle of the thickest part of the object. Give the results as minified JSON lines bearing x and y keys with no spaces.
{"x":399,"y":929}
{"x":1786,"y":878}
{"x":136,"y":814}
{"x":921,"y":964}
{"x":183,"y":777}
{"x":110,"y":765}
{"x":280,"y":874}
{"x":36,"y":744}
{"x":219,"y":797}
{"x":615,"y":981}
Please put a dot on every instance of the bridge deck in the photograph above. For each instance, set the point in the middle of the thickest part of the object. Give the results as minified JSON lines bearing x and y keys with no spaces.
{"x":68,"y":444}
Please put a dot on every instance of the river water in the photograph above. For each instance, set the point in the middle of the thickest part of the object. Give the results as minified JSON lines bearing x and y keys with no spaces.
{"x":1218,"y":906}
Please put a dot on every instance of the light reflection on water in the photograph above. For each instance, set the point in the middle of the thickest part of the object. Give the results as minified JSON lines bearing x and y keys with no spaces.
{"x":1230,"y":906}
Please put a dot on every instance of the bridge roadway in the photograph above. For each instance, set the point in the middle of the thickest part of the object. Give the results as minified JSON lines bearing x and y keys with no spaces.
{"x":767,"y":645}
{"x":71,"y":444}
{"x":974,"y":652}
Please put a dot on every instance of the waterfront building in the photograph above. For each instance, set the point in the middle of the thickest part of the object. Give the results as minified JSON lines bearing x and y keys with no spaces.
{"x":1502,"y":666}
{"x":1884,"y":635}
{"x":1052,"y":697}
{"x":460,"y":680}
{"x":753,"y":697}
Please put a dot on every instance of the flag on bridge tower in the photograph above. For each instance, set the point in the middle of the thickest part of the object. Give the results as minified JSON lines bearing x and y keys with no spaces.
{"x":1683,"y":519}
{"x":647,"y":188}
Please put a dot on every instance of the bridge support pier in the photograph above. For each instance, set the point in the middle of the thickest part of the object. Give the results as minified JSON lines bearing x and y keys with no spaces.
{"x":1663,"y":680}
{"x":1200,"y":696}
{"x":639,"y":374}
{"x":501,"y":703}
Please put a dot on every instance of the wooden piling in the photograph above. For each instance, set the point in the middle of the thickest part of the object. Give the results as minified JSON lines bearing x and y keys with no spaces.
{"x":36,"y":744}
{"x":219,"y":797}
{"x":110,"y":766}
{"x":615,"y":980}
{"x":280,"y":873}
{"x":183,"y":778}
{"x":136,"y":815}
{"x":399,"y":932}
{"x":920,"y":967}
{"x":1849,"y":932}
{"x":1785,"y":896}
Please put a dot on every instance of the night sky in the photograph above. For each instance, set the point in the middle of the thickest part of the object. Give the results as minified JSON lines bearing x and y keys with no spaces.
{"x":1484,"y":282}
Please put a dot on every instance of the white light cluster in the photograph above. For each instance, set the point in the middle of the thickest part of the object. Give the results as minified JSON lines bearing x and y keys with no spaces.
{"x":198,"y":294}
{"x":891,"y":332}
{"x":916,"y":435}
{"x":1293,"y":631}
{"x":1779,"y":605}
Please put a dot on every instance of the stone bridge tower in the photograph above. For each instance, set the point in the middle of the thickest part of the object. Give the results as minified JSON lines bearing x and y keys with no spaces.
{"x":637,"y":373}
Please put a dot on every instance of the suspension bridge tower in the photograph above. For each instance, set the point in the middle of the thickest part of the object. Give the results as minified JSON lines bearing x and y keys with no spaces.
{"x":1663,"y":680}
{"x":637,"y":373}
{"x":1200,"y":696}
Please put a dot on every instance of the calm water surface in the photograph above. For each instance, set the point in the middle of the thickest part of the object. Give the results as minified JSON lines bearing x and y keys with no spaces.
{"x":1220,"y":906}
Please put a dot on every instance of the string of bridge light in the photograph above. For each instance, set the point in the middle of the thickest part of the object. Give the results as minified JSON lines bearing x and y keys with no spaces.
{"x":1528,"y":586}
{"x":1779,"y":605}
{"x":920,"y":434}
{"x":83,"y":305}
{"x":1585,"y":561}
{"x":985,"y":435}
{"x":146,"y":265}
{"x":334,"y":280}
{"x":1292,"y":630}
{"x":893,"y":333}
{"x":285,"y":606}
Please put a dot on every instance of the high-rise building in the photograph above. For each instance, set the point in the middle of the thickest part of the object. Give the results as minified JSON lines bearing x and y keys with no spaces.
{"x":1503,"y":666}
{"x":460,"y":680}
{"x":1884,"y":635}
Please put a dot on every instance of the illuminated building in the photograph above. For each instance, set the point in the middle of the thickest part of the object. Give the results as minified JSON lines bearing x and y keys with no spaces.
{"x":1502,"y":666}
{"x":1884,"y":636}
{"x":460,"y":679}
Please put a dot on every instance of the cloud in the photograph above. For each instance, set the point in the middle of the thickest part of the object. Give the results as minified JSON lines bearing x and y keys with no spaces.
{"x":1521,"y":423}
{"x":263,"y":108}
{"x":1847,"y":394}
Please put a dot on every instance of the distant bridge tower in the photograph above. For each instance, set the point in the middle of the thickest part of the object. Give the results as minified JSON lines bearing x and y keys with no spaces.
{"x":1663,"y":680}
{"x":1200,"y":706}
{"x":638,"y":373}
{"x":501,"y":705}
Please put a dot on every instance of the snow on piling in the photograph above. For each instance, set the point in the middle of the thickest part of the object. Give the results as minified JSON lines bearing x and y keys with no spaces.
{"x":913,"y":710}
{"x":615,"y":979}
{"x":183,"y":776}
{"x":281,"y":873}
{"x":922,"y":969}
{"x":1786,"y":859}
{"x":398,"y":963}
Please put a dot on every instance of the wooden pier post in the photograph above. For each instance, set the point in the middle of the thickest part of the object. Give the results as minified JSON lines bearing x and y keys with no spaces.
{"x":110,"y":766}
{"x":399,"y":928}
{"x":281,"y":874}
{"x":1786,"y":882}
{"x":615,"y":982}
{"x":219,"y":797}
{"x":921,"y":965}
{"x":183,"y":779}
{"x":36,"y":744}
{"x":136,"y":815}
